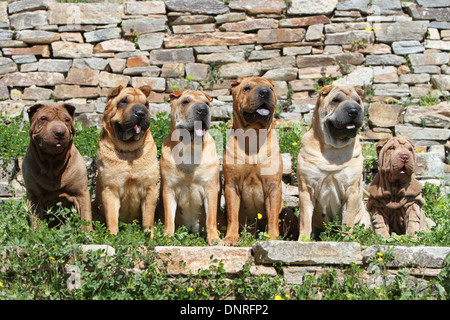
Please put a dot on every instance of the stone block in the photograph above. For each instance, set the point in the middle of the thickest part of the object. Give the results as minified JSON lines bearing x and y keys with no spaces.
{"x":304,"y":21}
{"x":385,"y":74}
{"x":263,"y":54}
{"x":311,"y":7}
{"x":64,"y":91}
{"x":28,"y":5}
{"x":349,"y":37}
{"x":237,"y":70}
{"x":90,"y":63}
{"x":419,"y":256}
{"x":384,"y":115}
{"x":36,"y":93}
{"x":38,"y":50}
{"x":391,"y":90}
{"x":7,"y":65}
{"x":437,"y":44}
{"x":220,"y":58}
{"x":314,"y":32}
{"x":210,"y":39}
{"x":28,"y":20}
{"x":17,"y":79}
{"x":417,"y":133}
{"x":441,"y":81}
{"x":358,"y":78}
{"x":84,"y":13}
{"x":194,"y":28}
{"x":145,"y":8}
{"x":102,"y":34}
{"x":184,"y":55}
{"x":282,"y":74}
{"x":407,"y":47}
{"x":114,"y":45}
{"x":307,"y":253}
{"x":432,"y":58}
{"x":85,"y":77}
{"x":230,"y":17}
{"x":258,"y":6}
{"x":147,"y":70}
{"x":65,"y":49}
{"x":190,"y":260}
{"x":401,"y":31}
{"x":111,"y":80}
{"x":37,"y":36}
{"x":157,"y":84}
{"x":385,"y":60}
{"x":150,"y":41}
{"x":278,"y":62}
{"x":54,"y":65}
{"x":249,"y":25}
{"x":144,"y":25}
{"x":414,"y":78}
{"x":280,"y":35}
{"x":433,"y":116}
{"x":212,"y":7}
{"x":198,"y":71}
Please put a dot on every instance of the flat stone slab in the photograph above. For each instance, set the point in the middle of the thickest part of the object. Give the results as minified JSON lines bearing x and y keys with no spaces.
{"x":420,"y":256}
{"x":307,"y":253}
{"x":189,"y":260}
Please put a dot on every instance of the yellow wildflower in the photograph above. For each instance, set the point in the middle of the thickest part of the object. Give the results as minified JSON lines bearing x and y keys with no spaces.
{"x":259,"y":216}
{"x":277,"y":297}
{"x":190,"y":289}
{"x":294,"y":143}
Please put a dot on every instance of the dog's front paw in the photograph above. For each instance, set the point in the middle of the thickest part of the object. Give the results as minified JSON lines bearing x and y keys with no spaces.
{"x":231,"y":240}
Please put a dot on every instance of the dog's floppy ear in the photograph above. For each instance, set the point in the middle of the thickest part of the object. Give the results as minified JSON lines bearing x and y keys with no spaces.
{"x":326,"y":90}
{"x":146,"y":90}
{"x":115,"y":92}
{"x":207,"y":96}
{"x":175,"y":95}
{"x":236,"y":82}
{"x":33,"y":109}
{"x":380,"y":145}
{"x":70,"y":108}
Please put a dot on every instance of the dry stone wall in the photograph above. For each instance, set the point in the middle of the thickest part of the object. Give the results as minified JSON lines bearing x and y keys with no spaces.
{"x":398,"y":51}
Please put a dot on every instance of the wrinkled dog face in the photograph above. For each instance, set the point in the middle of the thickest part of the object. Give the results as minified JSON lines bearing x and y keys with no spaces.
{"x":51,"y":127}
{"x":256,"y":99}
{"x":341,"y":114}
{"x":127,"y":112}
{"x":191,"y":111}
{"x":396,"y":158}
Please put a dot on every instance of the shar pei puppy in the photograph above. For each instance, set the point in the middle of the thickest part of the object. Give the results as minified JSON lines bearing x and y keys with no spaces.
{"x":395,"y":199}
{"x":252,"y":165}
{"x":190,"y":167}
{"x":128,"y":170}
{"x":330,"y":163}
{"x":53,"y":169}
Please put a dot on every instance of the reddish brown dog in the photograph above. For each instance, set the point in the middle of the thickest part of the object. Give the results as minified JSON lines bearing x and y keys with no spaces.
{"x":190,"y":168}
{"x":252,"y":165}
{"x":395,"y":198}
{"x":53,"y":169}
{"x":128,"y":169}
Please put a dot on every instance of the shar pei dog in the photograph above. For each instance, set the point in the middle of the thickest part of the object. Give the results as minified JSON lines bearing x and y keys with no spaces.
{"x":252,"y":165}
{"x":190,"y":167}
{"x":53,"y":169}
{"x":330,"y":163}
{"x":128,"y":170}
{"x":395,"y":198}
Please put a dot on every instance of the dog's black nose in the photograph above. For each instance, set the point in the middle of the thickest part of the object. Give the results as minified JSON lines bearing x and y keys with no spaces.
{"x":202,"y":110}
{"x":140,"y":111}
{"x":59,"y":133}
{"x":352,"y":112}
{"x":264,"y":92}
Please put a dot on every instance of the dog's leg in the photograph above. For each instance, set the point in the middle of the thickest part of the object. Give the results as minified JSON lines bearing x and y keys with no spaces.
{"x":379,"y":223}
{"x":148,"y":208}
{"x":305,"y":212}
{"x":85,"y":210}
{"x":273,"y":204}
{"x":352,"y":206}
{"x":170,"y":208}
{"x":414,"y":218}
{"x":111,"y":206}
{"x":211,"y":204}
{"x":233,"y":202}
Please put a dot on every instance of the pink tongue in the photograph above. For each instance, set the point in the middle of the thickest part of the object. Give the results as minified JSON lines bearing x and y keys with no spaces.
{"x":137,"y":129}
{"x":263,"y":112}
{"x":200,"y":132}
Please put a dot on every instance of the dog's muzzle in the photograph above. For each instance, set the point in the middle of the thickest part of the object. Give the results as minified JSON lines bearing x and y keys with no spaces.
{"x":346,"y":120}
{"x":137,"y":123}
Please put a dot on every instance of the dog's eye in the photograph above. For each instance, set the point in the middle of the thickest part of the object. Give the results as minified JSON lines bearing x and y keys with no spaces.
{"x":67,"y":120}
{"x":336,"y":100}
{"x":123,"y":103}
{"x":44,"y":118}
{"x":246,"y":89}
{"x":146,"y":104}
{"x":185,"y":102}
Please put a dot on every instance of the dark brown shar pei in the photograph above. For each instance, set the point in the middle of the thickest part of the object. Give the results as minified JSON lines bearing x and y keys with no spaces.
{"x":53,"y":170}
{"x":395,"y":194}
{"x":128,"y":170}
